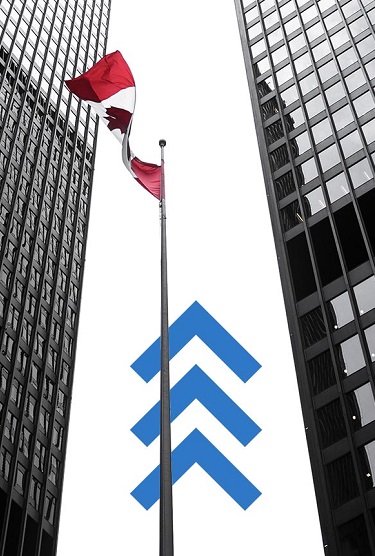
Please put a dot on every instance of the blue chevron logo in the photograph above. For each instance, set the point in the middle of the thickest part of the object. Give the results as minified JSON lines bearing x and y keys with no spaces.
{"x":196,"y":385}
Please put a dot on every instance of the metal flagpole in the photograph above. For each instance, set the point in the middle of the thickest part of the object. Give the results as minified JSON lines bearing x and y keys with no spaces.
{"x":166,"y":505}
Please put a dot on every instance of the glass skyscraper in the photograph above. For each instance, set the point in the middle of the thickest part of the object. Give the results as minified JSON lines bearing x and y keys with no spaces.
{"x":47,"y":149}
{"x":311,"y":74}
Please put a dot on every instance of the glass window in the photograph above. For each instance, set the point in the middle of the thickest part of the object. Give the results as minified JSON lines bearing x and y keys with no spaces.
{"x":332,"y":20}
{"x":295,"y":118}
{"x":279,"y":55}
{"x":275,"y":36}
{"x":340,"y":311}
{"x":322,"y":374}
{"x":306,"y":171}
{"x":354,"y":537}
{"x":313,"y":327}
{"x":266,"y":5}
{"x":340,"y":38}
{"x":315,"y":106}
{"x":358,"y":26}
{"x":343,"y":117}
{"x":369,"y":131}
{"x":342,"y":480}
{"x":366,"y":46}
{"x":335,"y":93}
{"x":350,"y":356}
{"x":254,"y":31}
{"x":370,"y":68}
{"x":292,"y":25}
{"x":262,"y":65}
{"x":284,"y":75}
{"x":321,"y":50}
{"x":351,"y":143}
{"x":289,"y":95}
{"x":297,"y":43}
{"x":347,"y":58}
{"x":367,"y":458}
{"x":302,"y":63}
{"x":322,"y":130}
{"x":315,"y":201}
{"x":302,"y":143}
{"x":331,"y":423}
{"x":329,"y":158}
{"x":350,"y":8}
{"x":308,"y":83}
{"x":365,"y":295}
{"x":327,"y":71}
{"x":258,"y":48}
{"x":337,"y":187}
{"x":315,"y":31}
{"x":370,"y":338}
{"x":361,"y":405}
{"x":287,"y":9}
{"x":360,"y":173}
{"x":364,"y":104}
{"x":325,"y":4}
{"x":355,"y":80}
{"x":309,"y":14}
{"x":271,"y":19}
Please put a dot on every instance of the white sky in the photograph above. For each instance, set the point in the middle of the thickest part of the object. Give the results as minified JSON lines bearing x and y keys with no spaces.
{"x":191,"y":90}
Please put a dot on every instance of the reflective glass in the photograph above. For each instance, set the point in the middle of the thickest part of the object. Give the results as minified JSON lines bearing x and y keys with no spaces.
{"x":340,"y":311}
{"x":321,"y":50}
{"x":292,"y":25}
{"x":370,"y":68}
{"x":350,"y":356}
{"x":370,"y":338}
{"x":266,"y":5}
{"x":364,"y":104}
{"x":335,"y":93}
{"x":355,"y":80}
{"x":303,"y":143}
{"x":365,"y":295}
{"x":287,"y":9}
{"x":366,"y":46}
{"x":331,"y":423}
{"x":342,"y":480}
{"x":361,"y":406}
{"x":251,"y":14}
{"x":308,"y":83}
{"x":360,"y":173}
{"x":279,"y":55}
{"x":297,"y":117}
{"x":271,"y":19}
{"x":315,"y":200}
{"x":284,"y":75}
{"x":307,"y":171}
{"x":322,"y":373}
{"x":369,"y":131}
{"x":327,"y":71}
{"x":340,"y":38}
{"x":297,"y":43}
{"x":347,"y":58}
{"x":263,"y":65}
{"x":321,"y":131}
{"x":332,"y":20}
{"x":358,"y":26}
{"x":254,"y":31}
{"x":258,"y":48}
{"x":275,"y":37}
{"x":350,"y":8}
{"x":302,"y":62}
{"x":367,"y":458}
{"x":351,"y":143}
{"x":309,"y":14}
{"x":343,"y":117}
{"x":315,"y":106}
{"x":315,"y":31}
{"x":325,"y":4}
{"x":337,"y":187}
{"x":289,"y":95}
{"x":329,"y":158}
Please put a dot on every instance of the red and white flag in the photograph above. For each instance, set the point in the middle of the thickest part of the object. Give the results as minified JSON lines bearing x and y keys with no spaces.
{"x":110,"y":89}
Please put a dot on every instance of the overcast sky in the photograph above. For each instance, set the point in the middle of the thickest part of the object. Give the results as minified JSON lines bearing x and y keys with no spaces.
{"x":191,"y":90}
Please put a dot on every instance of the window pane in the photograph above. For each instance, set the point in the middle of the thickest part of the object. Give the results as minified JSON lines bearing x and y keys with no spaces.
{"x":370,"y":337}
{"x":331,"y":423}
{"x":342,"y":480}
{"x":347,"y":58}
{"x":351,"y":143}
{"x":355,"y":80}
{"x":329,"y":158}
{"x":343,"y":117}
{"x":337,"y":187}
{"x":361,"y":405}
{"x":315,"y":201}
{"x":340,"y":311}
{"x":360,"y":173}
{"x":365,"y":295}
{"x":350,"y":356}
{"x":322,"y":374}
{"x":322,"y":130}
{"x":364,"y":104}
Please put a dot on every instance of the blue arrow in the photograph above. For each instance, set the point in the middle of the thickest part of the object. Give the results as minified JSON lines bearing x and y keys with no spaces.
{"x":197,"y":449}
{"x":196,"y":321}
{"x":196,"y":385}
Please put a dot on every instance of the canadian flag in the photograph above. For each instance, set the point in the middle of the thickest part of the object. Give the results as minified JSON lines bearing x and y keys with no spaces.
{"x":109,"y":88}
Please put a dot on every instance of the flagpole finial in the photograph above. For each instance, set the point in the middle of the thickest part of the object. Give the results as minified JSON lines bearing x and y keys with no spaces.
{"x":162,"y":143}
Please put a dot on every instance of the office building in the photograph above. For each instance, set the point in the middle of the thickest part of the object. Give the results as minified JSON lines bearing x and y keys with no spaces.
{"x":47,"y":149}
{"x":311,"y":74}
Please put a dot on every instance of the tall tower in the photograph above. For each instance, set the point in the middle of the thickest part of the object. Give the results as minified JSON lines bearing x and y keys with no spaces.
{"x":47,"y":149}
{"x":311,"y":74}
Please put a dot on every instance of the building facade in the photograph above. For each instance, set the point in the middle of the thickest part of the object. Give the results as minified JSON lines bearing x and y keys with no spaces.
{"x":311,"y":74}
{"x":47,"y":149}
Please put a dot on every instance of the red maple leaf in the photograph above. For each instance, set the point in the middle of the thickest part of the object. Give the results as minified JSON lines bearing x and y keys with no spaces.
{"x":118,"y":118}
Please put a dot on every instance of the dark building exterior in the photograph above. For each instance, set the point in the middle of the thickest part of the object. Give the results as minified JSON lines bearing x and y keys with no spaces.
{"x":47,"y":148}
{"x":311,"y":73}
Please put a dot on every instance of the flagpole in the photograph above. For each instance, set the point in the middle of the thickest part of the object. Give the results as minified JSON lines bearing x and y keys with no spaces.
{"x":166,"y":505}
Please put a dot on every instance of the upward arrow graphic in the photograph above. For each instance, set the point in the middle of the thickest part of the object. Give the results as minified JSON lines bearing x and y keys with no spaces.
{"x":196,"y":385}
{"x":196,"y":321}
